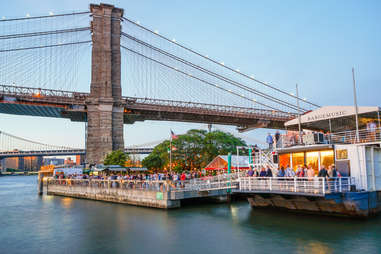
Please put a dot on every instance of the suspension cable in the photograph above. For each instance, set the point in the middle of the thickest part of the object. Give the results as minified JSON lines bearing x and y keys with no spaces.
{"x":216,"y":75}
{"x":199,"y":79}
{"x":15,"y":36}
{"x":46,"y":46}
{"x":216,"y":62}
{"x":46,"y":16}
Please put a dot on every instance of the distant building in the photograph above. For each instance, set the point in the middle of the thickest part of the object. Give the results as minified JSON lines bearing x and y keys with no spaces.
{"x":69,"y":161}
{"x":31,"y":163}
{"x":54,"y":161}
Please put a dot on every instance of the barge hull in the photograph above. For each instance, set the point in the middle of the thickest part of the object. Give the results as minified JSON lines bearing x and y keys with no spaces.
{"x":351,"y":204}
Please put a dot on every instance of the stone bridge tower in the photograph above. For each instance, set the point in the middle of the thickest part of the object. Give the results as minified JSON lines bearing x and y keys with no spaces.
{"x":104,"y":107}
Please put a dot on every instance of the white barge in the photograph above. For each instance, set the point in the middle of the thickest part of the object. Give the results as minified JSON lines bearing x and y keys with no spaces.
{"x":356,"y":154}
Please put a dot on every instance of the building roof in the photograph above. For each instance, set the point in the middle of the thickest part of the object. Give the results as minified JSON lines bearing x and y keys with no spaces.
{"x":220,"y":162}
{"x":341,"y":118}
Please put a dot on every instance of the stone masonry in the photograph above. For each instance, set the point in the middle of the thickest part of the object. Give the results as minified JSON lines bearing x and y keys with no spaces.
{"x":104,"y":107}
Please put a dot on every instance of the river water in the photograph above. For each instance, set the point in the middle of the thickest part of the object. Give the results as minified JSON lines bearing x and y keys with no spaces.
{"x":47,"y":224}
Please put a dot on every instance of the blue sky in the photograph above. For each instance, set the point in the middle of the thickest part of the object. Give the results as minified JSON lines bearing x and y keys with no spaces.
{"x":312,"y":43}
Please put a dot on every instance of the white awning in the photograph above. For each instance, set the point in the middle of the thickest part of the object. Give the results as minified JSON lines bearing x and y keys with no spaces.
{"x":330,"y":112}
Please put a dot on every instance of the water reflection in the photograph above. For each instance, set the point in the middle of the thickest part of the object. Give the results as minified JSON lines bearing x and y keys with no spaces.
{"x":87,"y":226}
{"x":313,"y":247}
{"x":67,"y":203}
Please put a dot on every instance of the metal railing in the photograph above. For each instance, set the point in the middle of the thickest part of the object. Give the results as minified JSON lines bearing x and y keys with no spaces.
{"x":349,"y":137}
{"x":219,"y":182}
{"x":345,"y":137}
{"x":149,"y":185}
{"x":12,"y":90}
{"x":180,"y":106}
{"x":296,"y":185}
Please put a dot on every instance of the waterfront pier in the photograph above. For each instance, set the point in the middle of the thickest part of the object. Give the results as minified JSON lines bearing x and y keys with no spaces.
{"x":151,"y":193}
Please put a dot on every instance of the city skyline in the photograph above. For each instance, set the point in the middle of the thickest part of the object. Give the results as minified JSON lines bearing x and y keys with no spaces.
{"x":298,"y":46}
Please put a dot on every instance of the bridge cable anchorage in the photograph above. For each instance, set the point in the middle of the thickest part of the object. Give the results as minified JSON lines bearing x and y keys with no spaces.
{"x":218,"y":76}
{"x":216,"y":62}
{"x":45,"y":16}
{"x":204,"y":81}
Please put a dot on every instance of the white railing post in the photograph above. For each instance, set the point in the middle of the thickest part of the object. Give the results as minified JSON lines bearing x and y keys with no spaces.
{"x":271,"y":184}
{"x":340,"y":186}
{"x":294,"y":184}
{"x":250,"y":183}
{"x":324,"y":185}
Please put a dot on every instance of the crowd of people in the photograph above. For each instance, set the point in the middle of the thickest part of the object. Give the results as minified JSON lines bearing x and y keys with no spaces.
{"x":301,"y":171}
{"x":172,"y":176}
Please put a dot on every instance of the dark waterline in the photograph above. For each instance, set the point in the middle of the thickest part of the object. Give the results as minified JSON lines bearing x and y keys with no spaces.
{"x":33,"y":224}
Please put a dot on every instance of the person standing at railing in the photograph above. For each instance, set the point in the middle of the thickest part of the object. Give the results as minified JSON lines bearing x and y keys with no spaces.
{"x":269,"y":173}
{"x":323,"y":172}
{"x":270,"y":141}
{"x":300,"y":171}
{"x":281,"y":172}
{"x":289,"y":172}
{"x":263,"y":172}
{"x":310,"y":173}
{"x":277,"y":140}
{"x":371,"y":129}
{"x":250,"y":172}
{"x":332,"y":173}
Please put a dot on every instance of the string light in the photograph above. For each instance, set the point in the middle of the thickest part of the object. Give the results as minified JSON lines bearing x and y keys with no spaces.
{"x":51,"y":13}
{"x":28,"y":15}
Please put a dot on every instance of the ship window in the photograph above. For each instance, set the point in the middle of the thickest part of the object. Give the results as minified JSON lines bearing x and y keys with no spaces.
{"x":312,"y":158}
{"x":297,"y":159}
{"x":284,"y":160}
{"x":326,"y":158}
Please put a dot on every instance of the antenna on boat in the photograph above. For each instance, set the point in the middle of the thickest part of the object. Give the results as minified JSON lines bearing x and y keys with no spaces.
{"x":299,"y":120}
{"x":356,"y":107}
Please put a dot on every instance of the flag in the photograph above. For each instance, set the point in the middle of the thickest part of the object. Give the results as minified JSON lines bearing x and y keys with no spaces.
{"x":173,"y":136}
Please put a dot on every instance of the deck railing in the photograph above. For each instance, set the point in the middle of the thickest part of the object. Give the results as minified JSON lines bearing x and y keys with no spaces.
{"x":296,"y":185}
{"x":345,"y":137}
{"x":197,"y":184}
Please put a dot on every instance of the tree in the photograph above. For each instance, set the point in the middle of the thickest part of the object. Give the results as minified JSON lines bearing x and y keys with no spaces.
{"x":195,"y":149}
{"x":153,"y":162}
{"x":117,"y":157}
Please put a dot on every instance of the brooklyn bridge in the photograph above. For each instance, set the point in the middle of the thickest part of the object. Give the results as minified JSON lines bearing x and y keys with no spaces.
{"x":137,"y":74}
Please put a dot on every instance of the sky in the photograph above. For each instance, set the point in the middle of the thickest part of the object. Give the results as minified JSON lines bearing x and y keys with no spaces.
{"x":312,"y":43}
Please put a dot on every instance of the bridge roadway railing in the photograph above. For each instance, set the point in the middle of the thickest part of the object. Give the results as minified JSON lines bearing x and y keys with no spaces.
{"x":184,"y":106}
{"x":310,"y":186}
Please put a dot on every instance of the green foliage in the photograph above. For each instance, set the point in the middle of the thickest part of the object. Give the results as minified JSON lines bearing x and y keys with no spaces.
{"x":178,"y":169}
{"x":117,"y":157}
{"x":195,"y":149}
{"x":153,"y":162}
